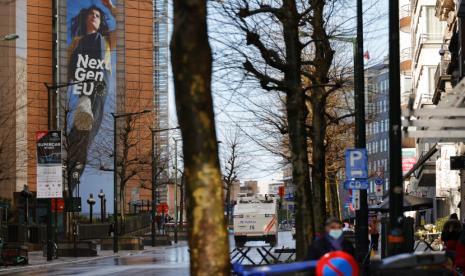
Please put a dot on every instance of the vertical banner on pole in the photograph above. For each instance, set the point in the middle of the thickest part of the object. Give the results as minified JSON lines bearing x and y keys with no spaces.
{"x":49,"y":164}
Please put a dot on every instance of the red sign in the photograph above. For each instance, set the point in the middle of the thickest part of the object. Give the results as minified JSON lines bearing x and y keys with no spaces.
{"x":58,"y":204}
{"x":281,"y":191}
{"x":162,"y":208}
{"x":337,"y":263}
{"x":408,"y":159}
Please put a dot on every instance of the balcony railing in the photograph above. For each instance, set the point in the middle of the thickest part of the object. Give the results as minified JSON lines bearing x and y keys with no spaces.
{"x":405,"y":54}
{"x":441,"y":76}
{"x":405,"y":11}
{"x":425,"y":38}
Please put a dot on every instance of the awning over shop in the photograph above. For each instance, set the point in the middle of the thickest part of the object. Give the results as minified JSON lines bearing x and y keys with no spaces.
{"x":411,"y":203}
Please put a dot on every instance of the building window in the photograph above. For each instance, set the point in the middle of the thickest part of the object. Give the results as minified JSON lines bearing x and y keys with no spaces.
{"x":434,"y":27}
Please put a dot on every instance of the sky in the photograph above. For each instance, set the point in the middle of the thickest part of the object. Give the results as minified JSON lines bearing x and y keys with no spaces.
{"x":229,"y":115}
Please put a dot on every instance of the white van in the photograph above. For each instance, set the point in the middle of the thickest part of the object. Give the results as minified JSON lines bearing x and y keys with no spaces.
{"x":255,"y":219}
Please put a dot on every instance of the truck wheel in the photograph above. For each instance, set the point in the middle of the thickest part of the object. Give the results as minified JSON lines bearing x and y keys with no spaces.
{"x":240,"y":242}
{"x":272,"y":241}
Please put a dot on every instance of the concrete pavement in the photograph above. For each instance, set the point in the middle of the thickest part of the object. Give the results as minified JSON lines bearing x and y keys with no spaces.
{"x":169,"y":260}
{"x":161,"y":260}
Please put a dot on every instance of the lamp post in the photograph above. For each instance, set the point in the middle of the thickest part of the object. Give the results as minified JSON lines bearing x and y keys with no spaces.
{"x":9,"y":37}
{"x":101,"y":196}
{"x":395,"y":236}
{"x":104,"y":209}
{"x":26,"y":194}
{"x":91,"y":202}
{"x":154,"y":181}
{"x":116,"y":116}
{"x":51,"y":125}
{"x":74,"y":227}
{"x":176,"y":189}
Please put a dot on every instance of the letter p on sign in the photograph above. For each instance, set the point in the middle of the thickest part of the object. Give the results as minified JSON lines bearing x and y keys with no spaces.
{"x":356,"y":163}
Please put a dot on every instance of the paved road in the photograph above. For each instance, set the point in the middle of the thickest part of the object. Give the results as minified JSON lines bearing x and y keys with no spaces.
{"x":166,"y":261}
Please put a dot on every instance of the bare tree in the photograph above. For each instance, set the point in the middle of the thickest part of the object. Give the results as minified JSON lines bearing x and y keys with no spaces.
{"x":285,"y":46}
{"x":234,"y":164}
{"x":192,"y":69}
{"x":132,"y":164}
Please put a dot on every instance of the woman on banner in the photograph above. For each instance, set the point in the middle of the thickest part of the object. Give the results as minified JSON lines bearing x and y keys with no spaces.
{"x":89,"y":66}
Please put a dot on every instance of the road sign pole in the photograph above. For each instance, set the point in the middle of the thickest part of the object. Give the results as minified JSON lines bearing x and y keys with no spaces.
{"x":395,"y":235}
{"x":361,"y":216}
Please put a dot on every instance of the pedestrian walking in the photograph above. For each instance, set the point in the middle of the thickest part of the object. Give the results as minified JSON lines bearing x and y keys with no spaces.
{"x":332,"y":240}
{"x":374,"y":233}
{"x":450,"y":235}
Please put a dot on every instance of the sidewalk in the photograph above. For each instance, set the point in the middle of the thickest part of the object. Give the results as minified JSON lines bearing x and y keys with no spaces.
{"x":37,"y":260}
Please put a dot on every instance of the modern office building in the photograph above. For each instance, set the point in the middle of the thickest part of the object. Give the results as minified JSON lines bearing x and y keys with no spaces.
{"x":377,"y":134}
{"x":126,"y":52}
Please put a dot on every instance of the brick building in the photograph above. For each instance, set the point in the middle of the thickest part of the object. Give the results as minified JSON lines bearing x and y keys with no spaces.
{"x":40,"y":55}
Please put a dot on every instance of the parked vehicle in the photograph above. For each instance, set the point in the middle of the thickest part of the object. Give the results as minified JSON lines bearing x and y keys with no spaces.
{"x":255,"y":219}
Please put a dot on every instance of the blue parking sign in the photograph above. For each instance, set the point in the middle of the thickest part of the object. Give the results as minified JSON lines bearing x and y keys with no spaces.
{"x":356,"y":163}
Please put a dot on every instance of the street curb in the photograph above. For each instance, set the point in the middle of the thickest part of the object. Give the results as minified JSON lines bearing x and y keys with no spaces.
{"x":28,"y":267}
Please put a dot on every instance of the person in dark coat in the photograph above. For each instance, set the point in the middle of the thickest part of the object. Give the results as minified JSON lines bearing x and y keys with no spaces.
{"x":450,"y":234}
{"x":332,"y":240}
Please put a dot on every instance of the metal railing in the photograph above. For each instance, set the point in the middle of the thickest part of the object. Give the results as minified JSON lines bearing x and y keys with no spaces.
{"x":405,"y":11}
{"x":425,"y":38}
{"x":406,"y":54}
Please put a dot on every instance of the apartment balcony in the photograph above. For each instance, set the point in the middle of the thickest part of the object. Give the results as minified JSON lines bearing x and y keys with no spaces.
{"x":443,"y":7}
{"x":442,"y":79}
{"x":405,"y":97}
{"x":406,"y":61}
{"x":425,"y":39}
{"x":426,"y":174}
{"x":405,"y":18}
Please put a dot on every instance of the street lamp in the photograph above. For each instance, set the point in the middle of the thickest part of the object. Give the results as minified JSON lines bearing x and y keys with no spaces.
{"x":91,"y":202}
{"x":9,"y":37}
{"x":176,"y":189}
{"x":154,"y":180}
{"x":26,"y":194}
{"x":115,"y":173}
{"x":104,"y":208}
{"x":101,"y":196}
{"x":51,"y":125}
{"x":78,"y":167}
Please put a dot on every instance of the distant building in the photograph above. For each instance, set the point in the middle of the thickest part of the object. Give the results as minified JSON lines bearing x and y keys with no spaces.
{"x":377,"y":127}
{"x":250,"y":186}
{"x":235,"y":189}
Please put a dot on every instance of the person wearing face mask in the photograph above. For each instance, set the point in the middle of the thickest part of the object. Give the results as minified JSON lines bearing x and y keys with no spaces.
{"x":332,"y":240}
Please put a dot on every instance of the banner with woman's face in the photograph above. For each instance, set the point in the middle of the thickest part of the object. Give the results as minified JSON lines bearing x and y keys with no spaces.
{"x":91,"y":69}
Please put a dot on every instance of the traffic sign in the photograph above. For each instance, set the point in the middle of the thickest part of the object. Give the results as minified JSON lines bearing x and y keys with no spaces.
{"x":356,"y":163}
{"x":356,"y":184}
{"x":379,"y":190}
{"x":162,"y":208}
{"x":379,"y":174}
{"x":337,"y":263}
{"x":379,"y":181}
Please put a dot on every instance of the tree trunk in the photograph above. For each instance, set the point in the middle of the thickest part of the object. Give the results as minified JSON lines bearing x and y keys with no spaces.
{"x":296,"y":116}
{"x":323,"y":60}
{"x":191,"y":60}
{"x":334,"y":209}
{"x":228,"y":204}
{"x":318,"y":159}
{"x":181,"y":204}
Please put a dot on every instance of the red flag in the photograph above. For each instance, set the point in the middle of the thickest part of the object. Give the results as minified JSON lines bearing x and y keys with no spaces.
{"x":366,"y":55}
